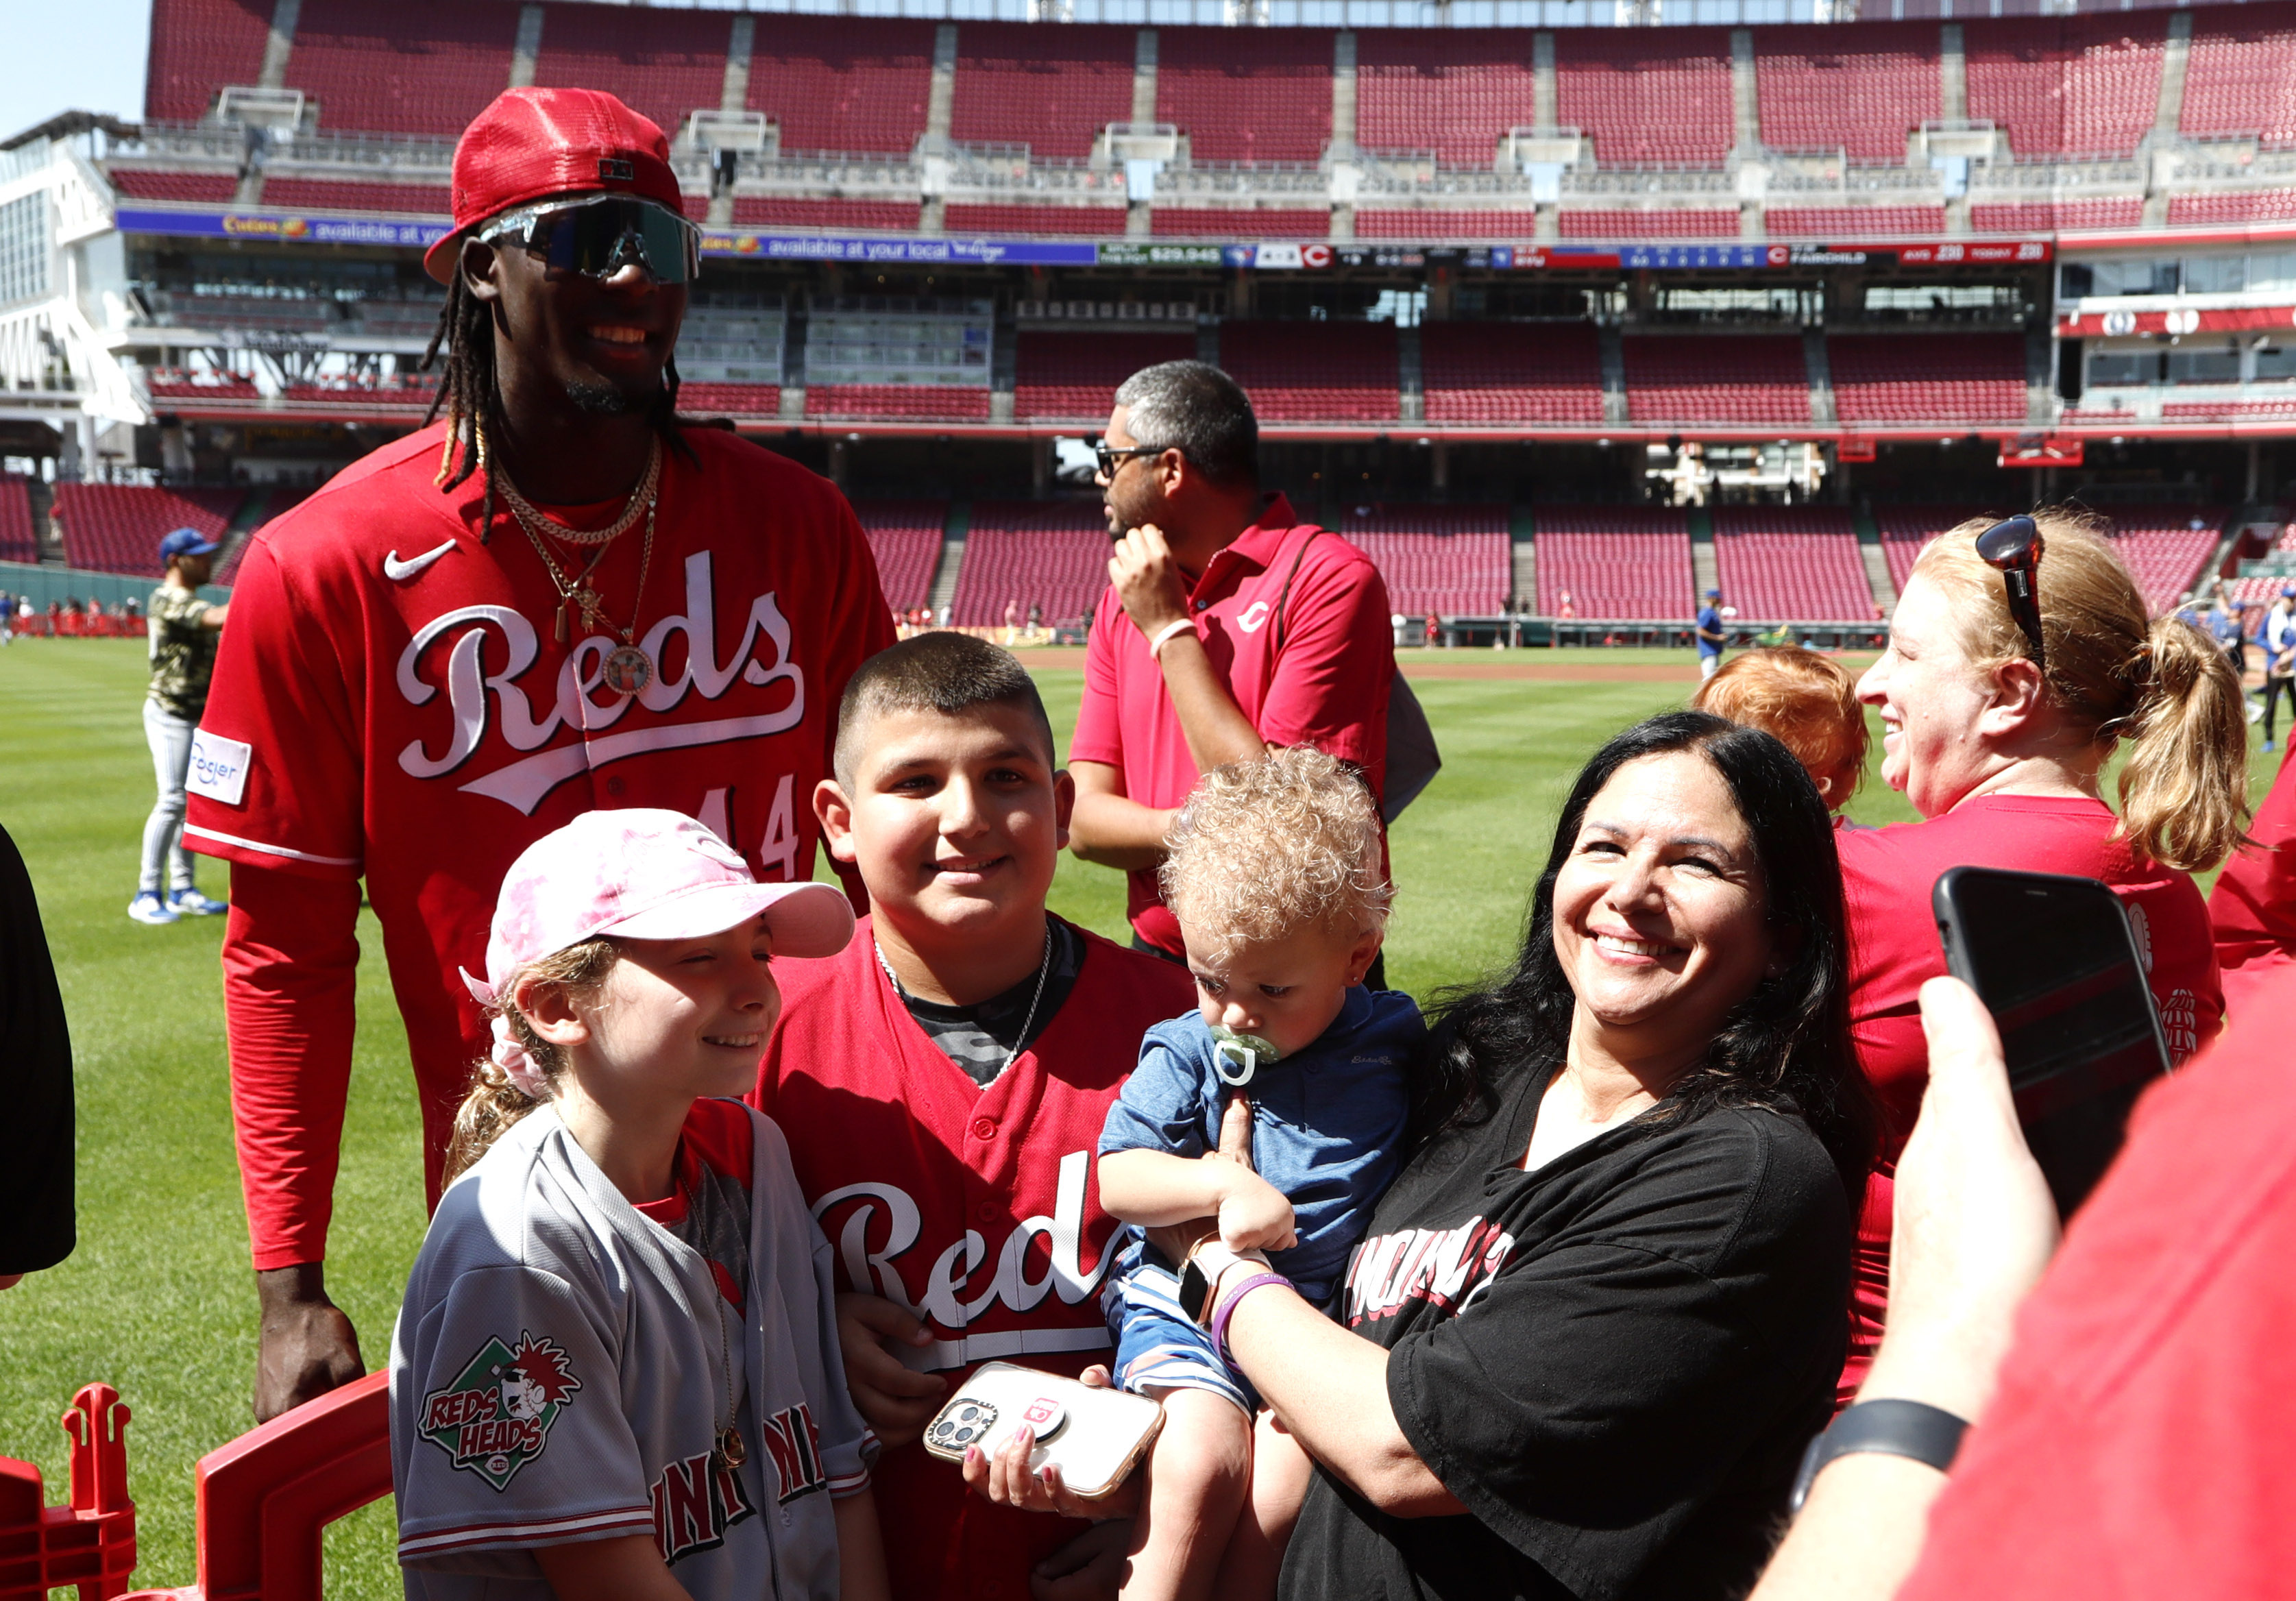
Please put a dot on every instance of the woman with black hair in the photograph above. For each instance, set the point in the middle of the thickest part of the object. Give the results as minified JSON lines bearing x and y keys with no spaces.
{"x":1601,"y":1310}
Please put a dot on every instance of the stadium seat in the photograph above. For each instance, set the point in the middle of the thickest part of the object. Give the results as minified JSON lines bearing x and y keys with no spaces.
{"x":1717,"y":378}
{"x":1956,"y":380}
{"x":2079,"y":85}
{"x":1646,"y":222}
{"x":197,"y":47}
{"x":663,"y":63}
{"x":1647,"y":95}
{"x":1436,"y":223}
{"x":1241,"y":222}
{"x":2227,"y":411}
{"x":411,"y":393}
{"x":1057,"y":222}
{"x":840,"y":83}
{"x":19,"y":541}
{"x":2253,"y":205}
{"x":2043,"y":217}
{"x":898,"y":402}
{"x":1504,"y":373}
{"x":401,"y":65}
{"x":1790,"y":563}
{"x":1048,"y":553}
{"x":1860,"y":89}
{"x":1074,"y":375}
{"x":210,"y":188}
{"x":1855,"y":222}
{"x":2241,"y":76}
{"x":1315,"y":372}
{"x":1630,"y":563}
{"x":731,"y":400}
{"x":116,"y":528}
{"x":881,"y":216}
{"x":905,"y":535}
{"x":1252,"y":95}
{"x":1453,"y":91}
{"x":1053,"y":89}
{"x":326,"y":195}
{"x":2164,"y":548}
{"x":165,"y":384}
{"x":1452,"y":561}
{"x":1906,"y":529}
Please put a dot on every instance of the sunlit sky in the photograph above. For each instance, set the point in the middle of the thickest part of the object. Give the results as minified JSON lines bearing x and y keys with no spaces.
{"x":72,"y":55}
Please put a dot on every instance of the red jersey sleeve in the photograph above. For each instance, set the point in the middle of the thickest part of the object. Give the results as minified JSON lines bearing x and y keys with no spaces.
{"x":275,"y":777}
{"x":1331,"y":681}
{"x":1099,"y":731}
{"x":2253,"y":908}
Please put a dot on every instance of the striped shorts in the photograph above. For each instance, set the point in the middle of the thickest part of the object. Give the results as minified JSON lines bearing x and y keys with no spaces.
{"x":1158,"y":1345}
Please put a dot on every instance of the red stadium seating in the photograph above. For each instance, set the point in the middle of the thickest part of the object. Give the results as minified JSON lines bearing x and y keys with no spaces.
{"x":896,"y":403}
{"x":665,"y":64}
{"x":905,"y":536}
{"x":214,"y":188}
{"x":1455,"y":92}
{"x":1790,"y":563}
{"x":1264,"y":221}
{"x":1512,"y":372}
{"x":165,"y":385}
{"x":1647,"y":223}
{"x":2164,"y":550}
{"x":1626,"y":562}
{"x":197,"y":47}
{"x":1857,"y":222}
{"x":116,"y":528}
{"x":2084,"y":85}
{"x":1048,"y":553}
{"x":326,"y":195}
{"x":2042,"y":216}
{"x":1051,"y":90}
{"x":414,"y":392}
{"x":1648,"y":95}
{"x":1432,"y":224}
{"x":1906,"y":529}
{"x":884,"y":215}
{"x":2242,"y":74}
{"x":401,"y":65}
{"x":2227,"y":411}
{"x":838,"y":83}
{"x":1063,"y":374}
{"x":1449,"y":560}
{"x":1247,"y":93}
{"x":1862,"y":89}
{"x":1058,"y":222}
{"x":1715,"y":378}
{"x":2256,"y":205}
{"x":282,"y":499}
{"x":1315,"y":372}
{"x":1954,"y":379}
{"x":730,"y":400}
{"x":18,"y":541}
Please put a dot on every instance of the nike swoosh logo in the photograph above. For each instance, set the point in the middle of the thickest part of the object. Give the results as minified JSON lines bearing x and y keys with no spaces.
{"x":398,"y":571}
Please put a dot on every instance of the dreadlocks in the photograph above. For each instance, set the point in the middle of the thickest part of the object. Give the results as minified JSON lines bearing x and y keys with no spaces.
{"x":473,"y":395}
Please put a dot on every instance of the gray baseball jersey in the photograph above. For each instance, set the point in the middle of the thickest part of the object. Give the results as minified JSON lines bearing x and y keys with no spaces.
{"x":561,"y":1369}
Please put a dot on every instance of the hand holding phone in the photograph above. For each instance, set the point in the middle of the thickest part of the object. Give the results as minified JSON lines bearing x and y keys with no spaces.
{"x":1093,"y":1436}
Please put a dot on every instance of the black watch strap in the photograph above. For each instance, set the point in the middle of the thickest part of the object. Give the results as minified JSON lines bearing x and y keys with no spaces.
{"x":1896,"y":1428}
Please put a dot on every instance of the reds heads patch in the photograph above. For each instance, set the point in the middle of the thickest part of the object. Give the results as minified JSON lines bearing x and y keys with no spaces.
{"x":495,"y":1417}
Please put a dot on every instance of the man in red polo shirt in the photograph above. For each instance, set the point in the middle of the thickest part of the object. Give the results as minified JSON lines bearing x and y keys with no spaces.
{"x":1228,"y":627}
{"x":553,"y":600}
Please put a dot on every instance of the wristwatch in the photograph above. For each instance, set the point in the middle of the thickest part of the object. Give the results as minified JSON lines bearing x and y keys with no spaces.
{"x":1896,"y":1428}
{"x":1200,"y":1275}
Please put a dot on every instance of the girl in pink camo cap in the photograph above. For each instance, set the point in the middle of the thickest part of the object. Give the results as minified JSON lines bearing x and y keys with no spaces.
{"x":615,"y":1373}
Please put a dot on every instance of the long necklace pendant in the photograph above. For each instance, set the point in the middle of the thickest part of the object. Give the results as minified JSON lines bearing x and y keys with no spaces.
{"x":731,"y":1450}
{"x":627,"y":670}
{"x":562,"y":621}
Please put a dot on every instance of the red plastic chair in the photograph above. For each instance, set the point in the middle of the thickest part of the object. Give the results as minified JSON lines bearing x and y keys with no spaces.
{"x":91,"y":1543}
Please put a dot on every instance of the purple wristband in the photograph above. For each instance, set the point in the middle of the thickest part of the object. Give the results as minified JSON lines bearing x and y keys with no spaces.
{"x":1228,"y":1308}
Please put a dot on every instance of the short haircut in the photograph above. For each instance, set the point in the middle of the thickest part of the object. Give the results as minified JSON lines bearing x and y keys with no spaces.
{"x":940,"y":671}
{"x":1264,"y":849}
{"x":1808,"y":702}
{"x":1197,"y":409}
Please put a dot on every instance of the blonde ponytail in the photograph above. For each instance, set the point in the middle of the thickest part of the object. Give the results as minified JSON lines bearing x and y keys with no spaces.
{"x":2183,"y":790}
{"x":493,"y":1102}
{"x":2113,"y":674}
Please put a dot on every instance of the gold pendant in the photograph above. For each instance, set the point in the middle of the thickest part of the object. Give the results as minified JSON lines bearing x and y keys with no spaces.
{"x":587,"y":599}
{"x":732,"y":1450}
{"x":626,"y":671}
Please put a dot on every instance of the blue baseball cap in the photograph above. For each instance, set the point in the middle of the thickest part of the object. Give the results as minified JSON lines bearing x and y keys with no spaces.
{"x":185,"y":542}
{"x":1713,"y":594}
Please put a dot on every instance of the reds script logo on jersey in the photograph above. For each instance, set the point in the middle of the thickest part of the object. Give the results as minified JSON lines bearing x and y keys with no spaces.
{"x":495,"y":646}
{"x":495,"y":1417}
{"x":694,"y":1502}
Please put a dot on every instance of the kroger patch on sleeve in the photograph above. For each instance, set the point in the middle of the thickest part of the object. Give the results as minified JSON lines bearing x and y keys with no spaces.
{"x":219,"y":767}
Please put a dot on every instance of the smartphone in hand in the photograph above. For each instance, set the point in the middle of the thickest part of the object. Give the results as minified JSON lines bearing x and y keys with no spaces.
{"x":2053,"y":960}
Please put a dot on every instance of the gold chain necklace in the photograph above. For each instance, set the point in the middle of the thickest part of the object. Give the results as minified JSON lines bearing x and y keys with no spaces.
{"x":537,"y":521}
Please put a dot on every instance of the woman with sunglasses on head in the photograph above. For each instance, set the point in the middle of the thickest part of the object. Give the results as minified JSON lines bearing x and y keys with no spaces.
{"x":2019,"y":657}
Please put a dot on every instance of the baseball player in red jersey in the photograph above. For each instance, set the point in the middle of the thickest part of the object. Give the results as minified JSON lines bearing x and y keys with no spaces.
{"x":554,"y":600}
{"x":947,"y":1077}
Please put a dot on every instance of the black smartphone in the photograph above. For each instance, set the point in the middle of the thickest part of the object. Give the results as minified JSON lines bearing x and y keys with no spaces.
{"x":2053,"y":959}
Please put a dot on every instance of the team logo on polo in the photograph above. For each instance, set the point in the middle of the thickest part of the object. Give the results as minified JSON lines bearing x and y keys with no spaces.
{"x":495,"y":1417}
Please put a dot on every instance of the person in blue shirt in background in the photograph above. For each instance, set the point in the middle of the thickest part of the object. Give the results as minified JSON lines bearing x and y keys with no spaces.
{"x":1711,"y":635}
{"x":2280,"y":658}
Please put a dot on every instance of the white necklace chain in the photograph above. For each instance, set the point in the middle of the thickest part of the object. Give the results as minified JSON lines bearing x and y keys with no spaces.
{"x":1044,"y":971}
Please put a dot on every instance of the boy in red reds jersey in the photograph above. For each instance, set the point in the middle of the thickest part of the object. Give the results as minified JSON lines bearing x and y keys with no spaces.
{"x":951,"y":1071}
{"x":557,"y":599}
{"x":1225,"y":629}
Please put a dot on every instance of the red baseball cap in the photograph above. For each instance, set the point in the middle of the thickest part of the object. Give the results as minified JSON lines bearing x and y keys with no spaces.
{"x":532,"y":143}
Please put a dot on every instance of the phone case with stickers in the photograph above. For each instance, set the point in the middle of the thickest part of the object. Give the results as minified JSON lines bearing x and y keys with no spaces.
{"x":1095,"y":1436}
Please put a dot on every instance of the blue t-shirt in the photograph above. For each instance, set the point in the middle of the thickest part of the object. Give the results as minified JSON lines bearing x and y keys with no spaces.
{"x":2224,"y":625}
{"x":1709,"y":621}
{"x":1326,"y":1123}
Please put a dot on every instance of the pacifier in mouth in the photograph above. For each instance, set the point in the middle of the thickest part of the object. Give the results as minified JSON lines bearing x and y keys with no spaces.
{"x":1235,"y":1057}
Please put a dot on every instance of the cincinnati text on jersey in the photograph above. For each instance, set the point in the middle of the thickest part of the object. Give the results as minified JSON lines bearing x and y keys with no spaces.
{"x":1444,"y":1267}
{"x":694,"y":1502}
{"x":495,"y":1417}
{"x":493,"y":646}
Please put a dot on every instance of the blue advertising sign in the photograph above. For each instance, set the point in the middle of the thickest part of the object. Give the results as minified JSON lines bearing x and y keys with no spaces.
{"x":286,"y":226}
{"x":1698,"y":255}
{"x":830,"y":247}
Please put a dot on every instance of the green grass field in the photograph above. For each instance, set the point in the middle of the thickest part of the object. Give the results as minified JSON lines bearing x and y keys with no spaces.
{"x":157,"y":1300}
